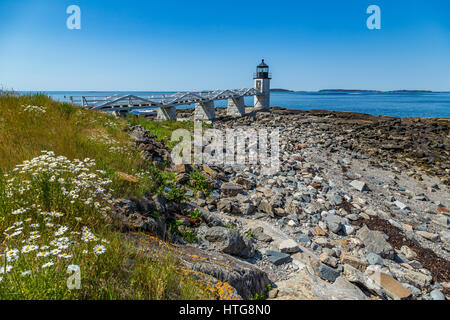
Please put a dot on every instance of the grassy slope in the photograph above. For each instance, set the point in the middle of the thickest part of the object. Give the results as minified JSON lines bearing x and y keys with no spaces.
{"x":76,"y":134}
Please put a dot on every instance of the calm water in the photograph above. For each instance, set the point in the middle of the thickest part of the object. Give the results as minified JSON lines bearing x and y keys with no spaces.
{"x":429,"y":105}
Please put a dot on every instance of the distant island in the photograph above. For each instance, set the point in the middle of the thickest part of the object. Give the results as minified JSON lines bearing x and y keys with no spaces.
{"x":408,"y":91}
{"x":353,"y":91}
{"x":281,"y":90}
{"x":346,"y":91}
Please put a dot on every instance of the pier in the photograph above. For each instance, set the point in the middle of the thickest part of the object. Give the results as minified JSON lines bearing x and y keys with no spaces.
{"x":166,"y":104}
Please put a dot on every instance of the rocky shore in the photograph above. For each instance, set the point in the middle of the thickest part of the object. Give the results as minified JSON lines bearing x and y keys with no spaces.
{"x":358,"y":209}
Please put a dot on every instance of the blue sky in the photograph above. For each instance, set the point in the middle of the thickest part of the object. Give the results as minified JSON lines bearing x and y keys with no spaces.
{"x":197,"y":45}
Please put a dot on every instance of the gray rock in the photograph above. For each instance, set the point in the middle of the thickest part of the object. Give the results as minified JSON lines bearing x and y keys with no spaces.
{"x":374,"y":259}
{"x":342,"y":289}
{"x":278,"y":258}
{"x":437,"y":295}
{"x":210,"y":219}
{"x":246,"y":278}
{"x":327,"y":273}
{"x":359,"y":185}
{"x":247,"y":208}
{"x":401,"y":205}
{"x":334,"y":223}
{"x":414,"y":291}
{"x":334,"y":198}
{"x":348,"y":229}
{"x":374,"y":242}
{"x":428,"y":235}
{"x":225,"y":205}
{"x":288,"y":246}
{"x":230,"y":241}
{"x":231,"y":190}
{"x":303,"y":238}
{"x":415,"y":264}
{"x":259,"y":235}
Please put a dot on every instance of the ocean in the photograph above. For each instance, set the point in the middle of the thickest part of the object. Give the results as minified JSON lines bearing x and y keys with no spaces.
{"x":409,"y":104}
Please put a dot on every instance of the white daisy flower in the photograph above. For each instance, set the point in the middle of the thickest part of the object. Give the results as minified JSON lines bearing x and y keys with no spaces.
{"x":48,"y":264}
{"x":99,"y":249}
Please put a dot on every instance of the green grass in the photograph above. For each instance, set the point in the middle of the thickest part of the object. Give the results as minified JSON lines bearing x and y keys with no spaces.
{"x":163,"y":129}
{"x":79,"y":194}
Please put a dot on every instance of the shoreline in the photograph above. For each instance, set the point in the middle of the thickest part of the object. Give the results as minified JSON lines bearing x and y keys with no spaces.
{"x":315,"y":228}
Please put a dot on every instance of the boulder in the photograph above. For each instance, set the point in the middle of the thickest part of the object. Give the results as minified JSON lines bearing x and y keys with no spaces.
{"x":230,"y":241}
{"x":374,"y":242}
{"x":245,"y":278}
{"x":334,"y":223}
{"x":288,"y":246}
{"x":327,"y":273}
{"x":278,"y":258}
{"x":230,"y":190}
{"x":353,"y":261}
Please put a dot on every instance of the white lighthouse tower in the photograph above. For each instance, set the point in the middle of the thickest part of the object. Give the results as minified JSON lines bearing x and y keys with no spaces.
{"x":262,"y":83}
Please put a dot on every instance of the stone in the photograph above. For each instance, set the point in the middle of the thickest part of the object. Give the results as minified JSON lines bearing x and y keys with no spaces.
{"x":445,"y":235}
{"x":375,"y":242}
{"x":328,"y":260}
{"x":353,"y":261}
{"x":355,"y":276}
{"x":303,"y":238}
{"x":183,"y":168}
{"x":319,"y":231}
{"x":245,"y":277}
{"x":246,"y":183}
{"x":334,"y":198}
{"x":342,"y":289}
{"x":288,"y":246}
{"x":436,"y":294}
{"x":374,"y":259}
{"x":278,"y":258}
{"x":259,"y":235}
{"x":334,"y":223}
{"x":414,"y":291}
{"x":417,"y":279}
{"x":348,"y":229}
{"x":428,"y":235}
{"x":230,"y":241}
{"x":247,"y":208}
{"x":225,"y":205}
{"x":273,"y":293}
{"x":416,"y":264}
{"x":442,"y":220}
{"x":359,"y":185}
{"x":401,"y":205}
{"x":267,"y":207}
{"x":231,"y":190}
{"x":392,"y":287}
{"x":293,"y":208}
{"x":408,"y":252}
{"x":210,"y":219}
{"x":327,"y":273}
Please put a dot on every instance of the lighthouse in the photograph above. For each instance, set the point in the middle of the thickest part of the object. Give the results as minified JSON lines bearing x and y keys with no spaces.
{"x":262,"y":79}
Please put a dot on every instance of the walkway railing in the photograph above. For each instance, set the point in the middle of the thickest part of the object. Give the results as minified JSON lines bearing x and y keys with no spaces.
{"x":131,"y":102}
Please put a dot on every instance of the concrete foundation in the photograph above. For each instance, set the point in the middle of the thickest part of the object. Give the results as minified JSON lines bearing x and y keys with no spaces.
{"x":236,"y":107}
{"x":166,"y":113}
{"x":205,"y":111}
